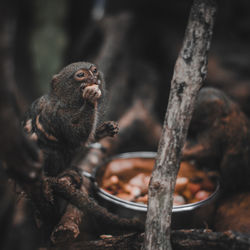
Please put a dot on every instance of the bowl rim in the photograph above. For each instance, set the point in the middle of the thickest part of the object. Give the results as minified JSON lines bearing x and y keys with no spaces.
{"x":139,"y":206}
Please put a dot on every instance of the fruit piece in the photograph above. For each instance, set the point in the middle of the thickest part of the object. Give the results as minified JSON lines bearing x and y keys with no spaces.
{"x":133,"y":190}
{"x":178,"y":200}
{"x":193,"y":200}
{"x":187,"y":194}
{"x":125,"y":196}
{"x":142,"y":199}
{"x":193,"y":187}
{"x":113,"y":180}
{"x":127,"y":188}
{"x":137,"y":180}
{"x":141,"y":180}
{"x":181,"y":183}
{"x":202,"y":195}
{"x":136,"y":191}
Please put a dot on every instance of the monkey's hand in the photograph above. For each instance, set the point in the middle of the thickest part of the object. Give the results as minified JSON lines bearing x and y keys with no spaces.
{"x":109,"y":128}
{"x":91,"y":93}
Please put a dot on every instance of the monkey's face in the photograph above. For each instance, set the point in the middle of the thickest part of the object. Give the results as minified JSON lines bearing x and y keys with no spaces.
{"x":87,"y":77}
{"x":90,"y":83}
{"x":78,"y":82}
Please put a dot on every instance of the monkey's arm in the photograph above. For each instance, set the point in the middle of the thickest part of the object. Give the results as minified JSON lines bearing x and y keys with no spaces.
{"x":75,"y":125}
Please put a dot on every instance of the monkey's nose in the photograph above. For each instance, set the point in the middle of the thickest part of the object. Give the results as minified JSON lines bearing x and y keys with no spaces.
{"x":92,"y":80}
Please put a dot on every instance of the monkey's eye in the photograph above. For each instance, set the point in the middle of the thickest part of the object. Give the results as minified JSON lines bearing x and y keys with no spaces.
{"x":94,"y":70}
{"x":80,"y":75}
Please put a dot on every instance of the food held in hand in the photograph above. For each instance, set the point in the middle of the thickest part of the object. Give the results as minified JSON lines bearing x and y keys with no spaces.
{"x":128,"y":179}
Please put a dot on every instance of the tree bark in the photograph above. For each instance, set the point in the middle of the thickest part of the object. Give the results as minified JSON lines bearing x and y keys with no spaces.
{"x":181,"y":240}
{"x":189,"y":73}
{"x":81,"y":199}
{"x":68,"y":228}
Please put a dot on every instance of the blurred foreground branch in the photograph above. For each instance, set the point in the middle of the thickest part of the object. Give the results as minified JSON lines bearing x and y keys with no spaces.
{"x":181,"y":239}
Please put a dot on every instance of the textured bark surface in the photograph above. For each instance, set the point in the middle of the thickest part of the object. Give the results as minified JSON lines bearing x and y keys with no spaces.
{"x":68,"y":227}
{"x":189,"y":73}
{"x":181,"y":239}
{"x":82,"y":200}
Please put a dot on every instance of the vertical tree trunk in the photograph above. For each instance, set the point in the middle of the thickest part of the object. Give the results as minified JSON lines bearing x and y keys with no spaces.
{"x":189,"y":73}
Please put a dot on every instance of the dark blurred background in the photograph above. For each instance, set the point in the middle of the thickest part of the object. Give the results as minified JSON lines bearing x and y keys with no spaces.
{"x":134,"y":42}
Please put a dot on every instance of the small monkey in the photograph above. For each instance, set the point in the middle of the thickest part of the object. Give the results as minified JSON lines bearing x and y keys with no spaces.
{"x":67,"y":117}
{"x":219,"y":139}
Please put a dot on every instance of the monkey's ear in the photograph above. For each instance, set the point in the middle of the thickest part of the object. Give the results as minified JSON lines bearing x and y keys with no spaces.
{"x":55,"y":80}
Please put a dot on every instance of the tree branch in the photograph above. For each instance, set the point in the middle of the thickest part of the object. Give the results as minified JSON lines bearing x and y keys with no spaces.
{"x":68,"y":228}
{"x":189,"y":73}
{"x":181,"y":239}
{"x":81,"y":199}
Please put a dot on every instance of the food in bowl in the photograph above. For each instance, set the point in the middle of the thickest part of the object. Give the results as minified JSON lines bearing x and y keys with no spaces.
{"x":128,"y":165}
{"x":128,"y":179}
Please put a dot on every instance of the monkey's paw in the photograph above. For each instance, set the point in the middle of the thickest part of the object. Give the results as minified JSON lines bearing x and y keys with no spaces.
{"x":109,"y":128}
{"x":91,"y":93}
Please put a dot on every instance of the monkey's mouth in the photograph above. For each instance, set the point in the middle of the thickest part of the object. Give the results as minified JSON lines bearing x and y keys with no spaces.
{"x":88,"y":84}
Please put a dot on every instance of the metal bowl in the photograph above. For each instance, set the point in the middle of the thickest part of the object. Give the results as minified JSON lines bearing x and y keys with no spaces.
{"x":193,"y":215}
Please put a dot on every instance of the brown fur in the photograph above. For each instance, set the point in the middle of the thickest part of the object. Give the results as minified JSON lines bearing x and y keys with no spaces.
{"x":66,"y":118}
{"x":233,"y":213}
{"x":219,"y":138}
